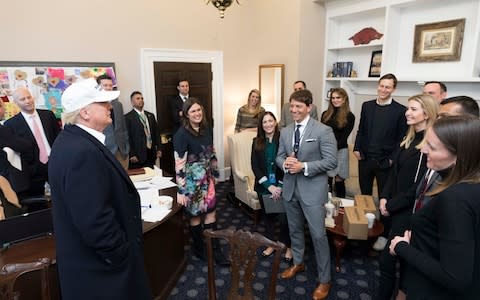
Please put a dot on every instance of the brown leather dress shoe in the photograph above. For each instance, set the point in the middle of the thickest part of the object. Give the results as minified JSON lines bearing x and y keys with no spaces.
{"x":290,"y":272}
{"x":321,"y":292}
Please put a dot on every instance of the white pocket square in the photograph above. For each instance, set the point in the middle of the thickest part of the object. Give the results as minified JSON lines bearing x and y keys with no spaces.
{"x":310,"y":140}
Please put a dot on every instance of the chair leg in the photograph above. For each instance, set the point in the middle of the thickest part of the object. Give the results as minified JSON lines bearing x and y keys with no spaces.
{"x":220,"y":258}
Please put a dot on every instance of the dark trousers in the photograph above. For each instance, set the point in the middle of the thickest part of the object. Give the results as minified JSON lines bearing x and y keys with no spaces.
{"x":368,"y":170}
{"x":270,"y":222}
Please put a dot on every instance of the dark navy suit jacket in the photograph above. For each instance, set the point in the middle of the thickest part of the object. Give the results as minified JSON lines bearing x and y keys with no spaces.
{"x":97,"y":222}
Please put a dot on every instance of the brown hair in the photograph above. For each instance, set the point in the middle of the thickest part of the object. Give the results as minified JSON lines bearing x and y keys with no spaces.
{"x":341,"y":117}
{"x":186,"y":122}
{"x":261,"y":136}
{"x":457,"y":134}
{"x":304,"y":96}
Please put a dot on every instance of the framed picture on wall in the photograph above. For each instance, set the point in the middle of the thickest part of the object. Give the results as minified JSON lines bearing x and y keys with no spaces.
{"x":46,"y":81}
{"x":441,"y":41}
{"x":375,"y":64}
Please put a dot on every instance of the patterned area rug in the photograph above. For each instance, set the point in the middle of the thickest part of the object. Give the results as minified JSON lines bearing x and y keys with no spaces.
{"x":358,"y":278}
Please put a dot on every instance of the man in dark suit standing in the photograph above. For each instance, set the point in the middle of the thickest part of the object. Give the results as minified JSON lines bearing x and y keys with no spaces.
{"x":142,"y":134}
{"x":96,"y":208}
{"x":176,"y":103}
{"x":41,"y":128}
{"x":307,"y":150}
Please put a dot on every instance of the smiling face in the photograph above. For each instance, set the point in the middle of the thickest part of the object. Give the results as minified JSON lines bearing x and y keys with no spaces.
{"x":337,"y":99}
{"x":438,"y":156}
{"x":385,"y":89}
{"x":415,"y":115}
{"x":183,"y":88}
{"x":253,"y":99}
{"x":268,"y":125}
{"x":195,"y":115}
{"x":24,"y":100}
{"x":106,"y":84}
{"x":299,"y":110}
{"x":435,"y":90}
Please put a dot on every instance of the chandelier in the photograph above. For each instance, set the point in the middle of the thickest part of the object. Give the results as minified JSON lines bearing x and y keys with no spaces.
{"x":221,"y":5}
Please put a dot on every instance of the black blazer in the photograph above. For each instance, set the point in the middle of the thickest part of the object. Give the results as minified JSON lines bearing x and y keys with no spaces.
{"x":97,"y":222}
{"x":51,"y":128}
{"x":259,"y":167}
{"x":176,"y":106}
{"x":136,"y":135}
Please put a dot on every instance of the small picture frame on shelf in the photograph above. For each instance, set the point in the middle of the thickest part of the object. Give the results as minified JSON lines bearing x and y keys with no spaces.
{"x":440,"y":41}
{"x":375,"y":64}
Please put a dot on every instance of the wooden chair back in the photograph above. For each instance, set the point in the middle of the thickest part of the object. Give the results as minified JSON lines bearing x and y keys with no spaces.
{"x":10,"y":273}
{"x":243,"y":256}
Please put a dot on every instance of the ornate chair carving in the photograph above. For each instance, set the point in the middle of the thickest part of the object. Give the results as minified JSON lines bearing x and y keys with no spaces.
{"x":243,"y":247}
{"x":240,"y":149}
{"x":10,"y":273}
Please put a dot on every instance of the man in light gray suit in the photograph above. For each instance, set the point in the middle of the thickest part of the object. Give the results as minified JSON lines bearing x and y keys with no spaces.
{"x":307,"y":150}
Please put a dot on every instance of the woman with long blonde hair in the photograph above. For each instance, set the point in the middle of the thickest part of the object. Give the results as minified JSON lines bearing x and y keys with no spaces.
{"x":247,"y":115}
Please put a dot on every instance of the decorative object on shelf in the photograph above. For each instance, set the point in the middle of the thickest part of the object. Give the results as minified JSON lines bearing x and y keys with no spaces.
{"x":221,"y":5}
{"x":342,"y":69}
{"x":375,"y":64}
{"x":354,"y":74}
{"x":365,"y":36}
{"x":330,"y":74}
{"x":440,"y":41}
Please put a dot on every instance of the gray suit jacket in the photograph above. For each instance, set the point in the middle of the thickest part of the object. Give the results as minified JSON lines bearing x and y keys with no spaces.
{"x":318,"y":148}
{"x":116,"y":135}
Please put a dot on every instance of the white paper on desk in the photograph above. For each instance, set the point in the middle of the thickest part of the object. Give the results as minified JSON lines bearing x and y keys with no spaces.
{"x":154,"y":214}
{"x":162,"y":182}
{"x":347,"y":202}
{"x":147,"y":196}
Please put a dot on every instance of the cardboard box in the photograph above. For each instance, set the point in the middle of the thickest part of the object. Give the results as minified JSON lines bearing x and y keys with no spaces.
{"x":355,"y":224}
{"x":366,"y":203}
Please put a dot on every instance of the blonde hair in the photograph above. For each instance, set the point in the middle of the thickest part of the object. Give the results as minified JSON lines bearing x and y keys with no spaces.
{"x":71,"y":117}
{"x":430,"y":109}
{"x":256,"y":110}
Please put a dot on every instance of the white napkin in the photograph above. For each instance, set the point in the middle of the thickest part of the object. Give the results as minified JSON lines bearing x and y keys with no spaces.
{"x":13,"y":158}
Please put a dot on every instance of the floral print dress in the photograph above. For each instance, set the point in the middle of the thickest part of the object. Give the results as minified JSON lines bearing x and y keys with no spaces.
{"x":195,"y":170}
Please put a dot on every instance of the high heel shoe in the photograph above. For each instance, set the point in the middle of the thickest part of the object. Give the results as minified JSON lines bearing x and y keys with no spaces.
{"x":266,"y":254}
{"x":286,"y":258}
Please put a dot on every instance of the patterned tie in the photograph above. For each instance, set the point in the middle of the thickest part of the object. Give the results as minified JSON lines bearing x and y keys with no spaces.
{"x":423,"y":191}
{"x":296,"y":144}
{"x":146,"y":130}
{"x":42,"y":155}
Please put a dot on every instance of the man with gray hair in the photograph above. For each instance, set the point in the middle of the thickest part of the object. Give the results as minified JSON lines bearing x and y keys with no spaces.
{"x":96,"y":208}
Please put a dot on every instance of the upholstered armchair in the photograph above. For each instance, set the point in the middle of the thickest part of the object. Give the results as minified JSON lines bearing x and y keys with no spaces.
{"x":240,"y":149}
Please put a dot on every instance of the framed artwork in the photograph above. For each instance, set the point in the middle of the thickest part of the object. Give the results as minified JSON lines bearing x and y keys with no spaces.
{"x":46,"y":81}
{"x":441,"y":41}
{"x":375,"y":64}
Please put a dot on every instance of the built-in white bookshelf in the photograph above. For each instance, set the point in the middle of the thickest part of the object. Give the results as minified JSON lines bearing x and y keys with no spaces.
{"x":396,"y":19}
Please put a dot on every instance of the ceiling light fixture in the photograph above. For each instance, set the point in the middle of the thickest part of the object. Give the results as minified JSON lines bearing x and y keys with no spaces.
{"x":221,"y":5}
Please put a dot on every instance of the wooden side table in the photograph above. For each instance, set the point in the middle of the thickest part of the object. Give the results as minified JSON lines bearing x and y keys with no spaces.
{"x":340,"y":238}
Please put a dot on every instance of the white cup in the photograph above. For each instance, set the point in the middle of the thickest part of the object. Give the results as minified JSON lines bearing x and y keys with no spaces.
{"x":329,"y":208}
{"x":371,"y":219}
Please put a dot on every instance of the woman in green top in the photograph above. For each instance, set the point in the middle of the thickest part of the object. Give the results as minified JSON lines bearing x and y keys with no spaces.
{"x":268,"y":178}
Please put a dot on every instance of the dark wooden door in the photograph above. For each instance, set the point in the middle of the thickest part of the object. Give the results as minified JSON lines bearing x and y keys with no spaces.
{"x":167,"y":74}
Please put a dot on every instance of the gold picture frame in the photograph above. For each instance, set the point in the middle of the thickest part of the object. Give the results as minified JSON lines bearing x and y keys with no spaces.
{"x":440,"y":41}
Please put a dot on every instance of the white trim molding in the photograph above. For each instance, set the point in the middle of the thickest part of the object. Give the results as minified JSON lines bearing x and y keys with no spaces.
{"x":149,"y":56}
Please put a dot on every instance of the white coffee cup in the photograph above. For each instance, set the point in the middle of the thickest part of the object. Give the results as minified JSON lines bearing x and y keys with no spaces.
{"x":371,"y":219}
{"x":329,"y":208}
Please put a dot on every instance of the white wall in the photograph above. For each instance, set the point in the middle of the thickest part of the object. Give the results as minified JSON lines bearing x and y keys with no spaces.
{"x":257,"y":32}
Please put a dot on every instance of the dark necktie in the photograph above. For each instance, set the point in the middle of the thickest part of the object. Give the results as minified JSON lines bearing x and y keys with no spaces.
{"x":423,"y":191}
{"x":296,"y":144}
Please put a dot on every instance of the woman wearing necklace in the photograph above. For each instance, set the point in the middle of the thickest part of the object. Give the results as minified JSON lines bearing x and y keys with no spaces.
{"x":408,"y":169}
{"x":339,"y":117}
{"x":247,"y":116}
{"x":196,"y":169}
{"x":268,"y":178}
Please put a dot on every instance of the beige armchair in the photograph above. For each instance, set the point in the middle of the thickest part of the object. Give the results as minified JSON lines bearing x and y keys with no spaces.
{"x":240,"y":148}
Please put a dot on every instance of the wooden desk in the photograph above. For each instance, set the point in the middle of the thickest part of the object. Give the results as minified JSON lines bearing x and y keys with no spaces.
{"x":163,"y":251}
{"x":340,"y":237}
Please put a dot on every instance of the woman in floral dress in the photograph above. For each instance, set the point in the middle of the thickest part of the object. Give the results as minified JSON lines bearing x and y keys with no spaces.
{"x":196,"y":169}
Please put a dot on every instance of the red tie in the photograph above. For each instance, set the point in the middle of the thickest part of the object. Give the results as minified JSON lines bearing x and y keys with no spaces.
{"x":42,"y":155}
{"x":423,"y":191}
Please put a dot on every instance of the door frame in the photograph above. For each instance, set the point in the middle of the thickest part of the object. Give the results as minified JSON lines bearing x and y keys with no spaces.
{"x":148,"y":56}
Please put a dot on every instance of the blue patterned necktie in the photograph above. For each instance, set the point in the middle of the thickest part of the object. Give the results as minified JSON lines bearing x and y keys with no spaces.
{"x":296,"y":144}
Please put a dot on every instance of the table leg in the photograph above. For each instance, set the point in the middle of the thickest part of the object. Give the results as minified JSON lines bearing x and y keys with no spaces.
{"x":339,"y":243}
